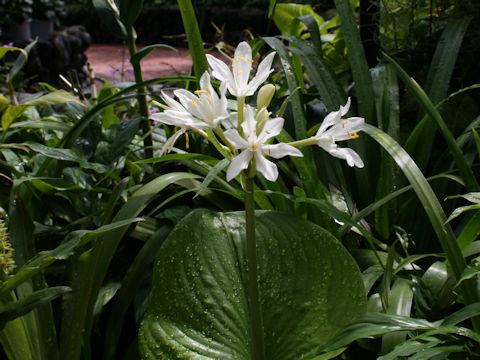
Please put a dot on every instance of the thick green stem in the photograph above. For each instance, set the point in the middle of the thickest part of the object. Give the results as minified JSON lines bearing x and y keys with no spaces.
{"x":240,"y":106}
{"x":253,"y":300}
{"x":141,"y":95}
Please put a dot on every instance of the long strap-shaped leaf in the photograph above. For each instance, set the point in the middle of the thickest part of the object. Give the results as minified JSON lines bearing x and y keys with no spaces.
{"x":430,"y":203}
{"x":195,"y":43}
{"x":420,"y":142}
{"x":357,"y":59}
{"x":93,"y":266}
{"x":427,"y":105}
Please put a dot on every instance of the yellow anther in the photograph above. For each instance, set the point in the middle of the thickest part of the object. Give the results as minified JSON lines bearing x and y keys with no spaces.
{"x":187,"y":142}
{"x":250,"y":60}
{"x":194,"y":102}
{"x":250,"y":68}
{"x":240,"y":72}
{"x":240,"y":58}
{"x":343,"y":124}
{"x":352,"y":135}
{"x":200,"y":92}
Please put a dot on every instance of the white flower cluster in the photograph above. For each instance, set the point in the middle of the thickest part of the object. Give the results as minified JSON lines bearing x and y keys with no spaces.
{"x":206,"y":112}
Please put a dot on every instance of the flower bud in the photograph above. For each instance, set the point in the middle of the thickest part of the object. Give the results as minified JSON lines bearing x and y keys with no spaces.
{"x":265,"y":95}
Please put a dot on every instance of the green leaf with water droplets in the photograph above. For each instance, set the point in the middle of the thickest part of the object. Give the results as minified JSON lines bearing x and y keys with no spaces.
{"x":310,"y":287}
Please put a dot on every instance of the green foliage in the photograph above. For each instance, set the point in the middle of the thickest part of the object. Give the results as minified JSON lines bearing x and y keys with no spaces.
{"x":199,"y":296}
{"x":76,"y":179}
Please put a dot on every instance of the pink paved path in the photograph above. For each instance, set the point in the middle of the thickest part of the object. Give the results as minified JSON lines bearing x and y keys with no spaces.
{"x":111,"y":62}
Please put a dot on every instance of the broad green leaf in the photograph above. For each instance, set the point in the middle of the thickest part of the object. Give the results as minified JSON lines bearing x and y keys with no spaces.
{"x":285,"y":18}
{"x":140,"y":54}
{"x":53,"y":98}
{"x":4,"y":49}
{"x":18,"y":308}
{"x":309,"y":288}
{"x":13,"y":112}
{"x":65,"y":155}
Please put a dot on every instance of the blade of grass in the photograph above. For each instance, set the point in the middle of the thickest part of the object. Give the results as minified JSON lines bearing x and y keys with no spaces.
{"x":427,"y":105}
{"x":438,"y":80}
{"x":430,"y":204}
{"x":130,"y":285}
{"x":357,"y":59}
{"x":194,"y":38}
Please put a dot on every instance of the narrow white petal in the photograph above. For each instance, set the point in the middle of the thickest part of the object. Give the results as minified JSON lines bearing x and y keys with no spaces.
{"x":249,"y":124}
{"x":238,"y":164}
{"x":344,"y":109}
{"x":272,"y":128}
{"x":266,"y":167}
{"x":171,"y":141}
{"x":352,"y":158}
{"x":235,"y":139}
{"x":280,"y":150}
{"x":172,"y":103}
{"x":263,"y":70}
{"x":189,"y":101}
{"x":331,"y":119}
{"x":220,"y":70}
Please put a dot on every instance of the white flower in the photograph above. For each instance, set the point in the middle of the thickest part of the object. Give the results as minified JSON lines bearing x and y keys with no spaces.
{"x":202,"y":110}
{"x":256,"y":146}
{"x":334,"y":128}
{"x":237,"y":78}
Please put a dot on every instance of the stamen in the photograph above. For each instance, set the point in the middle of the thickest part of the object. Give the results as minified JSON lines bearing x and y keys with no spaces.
{"x":240,"y":58}
{"x":352,"y":135}
{"x":240,"y":72}
{"x":250,"y":68}
{"x":200,"y":92}
{"x":250,"y":60}
{"x":343,"y":124}
{"x":187,"y":141}
{"x":194,"y":102}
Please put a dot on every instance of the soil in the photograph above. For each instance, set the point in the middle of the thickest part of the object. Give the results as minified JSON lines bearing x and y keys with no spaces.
{"x":111,"y":63}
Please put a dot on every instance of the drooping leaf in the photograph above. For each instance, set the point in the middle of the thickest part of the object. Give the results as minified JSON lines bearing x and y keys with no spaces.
{"x":53,"y":98}
{"x":309,"y":288}
{"x":16,"y":309}
{"x":140,"y":54}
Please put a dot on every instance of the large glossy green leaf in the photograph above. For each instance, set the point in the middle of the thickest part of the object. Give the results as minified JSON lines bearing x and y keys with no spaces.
{"x":285,"y":18}
{"x":308,"y":283}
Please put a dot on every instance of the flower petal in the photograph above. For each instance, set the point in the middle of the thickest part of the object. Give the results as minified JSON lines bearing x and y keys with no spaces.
{"x":352,"y":158}
{"x":280,"y":150}
{"x":221,"y":70}
{"x":235,"y":139}
{"x":238,"y":164}
{"x":265,"y":167}
{"x":344,"y":109}
{"x":264,"y":69}
{"x":272,"y":128}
